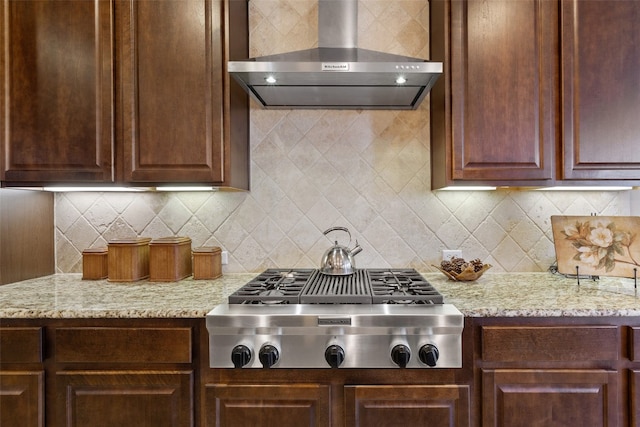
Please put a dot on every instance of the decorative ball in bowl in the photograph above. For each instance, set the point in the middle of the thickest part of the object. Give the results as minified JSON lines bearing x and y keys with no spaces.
{"x":462,"y":271}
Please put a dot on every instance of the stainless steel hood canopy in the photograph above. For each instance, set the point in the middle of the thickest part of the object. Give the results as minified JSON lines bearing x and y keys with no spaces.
{"x":337,"y":74}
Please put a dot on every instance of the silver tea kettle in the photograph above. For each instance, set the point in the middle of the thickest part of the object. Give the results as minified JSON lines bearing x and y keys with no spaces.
{"x":338,"y":260}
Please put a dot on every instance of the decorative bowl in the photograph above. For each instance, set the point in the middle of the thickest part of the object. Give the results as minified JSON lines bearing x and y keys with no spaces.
{"x":467,"y":275}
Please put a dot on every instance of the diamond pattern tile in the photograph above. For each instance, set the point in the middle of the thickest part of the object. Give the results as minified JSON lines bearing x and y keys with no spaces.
{"x":314,"y":169}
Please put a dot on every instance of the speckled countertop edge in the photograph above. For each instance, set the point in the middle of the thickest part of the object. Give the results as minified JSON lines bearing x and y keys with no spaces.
{"x":493,"y":295}
{"x":68,"y":296}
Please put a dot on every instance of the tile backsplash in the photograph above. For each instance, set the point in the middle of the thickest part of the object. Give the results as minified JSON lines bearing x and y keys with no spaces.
{"x":314,"y":169}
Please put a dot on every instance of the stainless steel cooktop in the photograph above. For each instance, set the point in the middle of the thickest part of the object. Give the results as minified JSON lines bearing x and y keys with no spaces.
{"x":301,"y":318}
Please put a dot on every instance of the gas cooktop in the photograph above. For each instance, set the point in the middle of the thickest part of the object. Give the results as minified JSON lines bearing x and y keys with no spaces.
{"x":301,"y":318}
{"x":310,"y":286}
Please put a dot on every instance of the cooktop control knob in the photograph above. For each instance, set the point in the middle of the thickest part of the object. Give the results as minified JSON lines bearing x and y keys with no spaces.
{"x":240,"y":356}
{"x":334,"y":355}
{"x":268,"y":355}
{"x":400,"y":354}
{"x":429,"y":354}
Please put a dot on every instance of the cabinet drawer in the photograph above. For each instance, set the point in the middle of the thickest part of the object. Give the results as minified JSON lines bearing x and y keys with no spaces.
{"x":126,"y":345}
{"x":541,"y":344}
{"x":21,"y":345}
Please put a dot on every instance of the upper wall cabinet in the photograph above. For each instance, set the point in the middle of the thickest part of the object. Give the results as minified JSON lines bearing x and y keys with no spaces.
{"x":492,"y":110}
{"x":601,"y":89}
{"x":130,"y":92}
{"x":535,"y":92}
{"x":56,"y":110}
{"x":174,"y":83}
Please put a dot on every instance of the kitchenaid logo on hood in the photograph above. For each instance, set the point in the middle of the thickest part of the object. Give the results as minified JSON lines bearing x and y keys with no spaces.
{"x":335,"y":66}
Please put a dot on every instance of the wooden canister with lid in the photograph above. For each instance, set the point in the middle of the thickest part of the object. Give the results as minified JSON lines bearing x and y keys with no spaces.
{"x":128,"y":259}
{"x":207,"y":263}
{"x":95,"y":263}
{"x":170,"y":259}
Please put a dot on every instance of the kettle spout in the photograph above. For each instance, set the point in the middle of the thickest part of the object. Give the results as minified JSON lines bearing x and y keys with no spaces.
{"x":356,"y":250}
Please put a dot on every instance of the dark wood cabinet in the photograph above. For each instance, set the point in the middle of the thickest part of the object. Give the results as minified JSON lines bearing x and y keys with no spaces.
{"x":550,"y":372}
{"x":27,"y":234}
{"x":567,"y":397}
{"x":155,"y":372}
{"x":492,"y":112}
{"x":123,"y":91}
{"x":21,"y":377}
{"x":268,"y":405}
{"x":98,"y":372}
{"x":600,"y":90}
{"x":56,"y":114}
{"x":634,"y":400}
{"x":404,"y":405}
{"x":137,"y":375}
{"x":124,"y":398}
{"x":179,"y":108}
{"x":21,"y":398}
{"x":535,"y":92}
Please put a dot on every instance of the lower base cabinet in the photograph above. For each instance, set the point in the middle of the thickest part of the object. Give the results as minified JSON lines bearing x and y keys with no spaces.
{"x":277,"y":405}
{"x":21,"y":398}
{"x":155,"y":372}
{"x":524,"y":398}
{"x":124,"y":398}
{"x":420,"y":405}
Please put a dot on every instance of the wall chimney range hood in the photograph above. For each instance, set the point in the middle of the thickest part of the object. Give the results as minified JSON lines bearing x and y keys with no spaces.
{"x":337,"y":74}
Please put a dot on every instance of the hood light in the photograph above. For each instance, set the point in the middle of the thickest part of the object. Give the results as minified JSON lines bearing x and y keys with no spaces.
{"x":401,"y":80}
{"x":270,"y":79}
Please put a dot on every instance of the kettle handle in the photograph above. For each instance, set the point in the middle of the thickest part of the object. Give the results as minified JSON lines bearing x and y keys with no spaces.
{"x":345,"y":229}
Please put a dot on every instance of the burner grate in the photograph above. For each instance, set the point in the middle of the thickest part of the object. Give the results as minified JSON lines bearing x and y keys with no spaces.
{"x":325,"y":289}
{"x":273,"y":286}
{"x":402,"y":286}
{"x":309,"y":286}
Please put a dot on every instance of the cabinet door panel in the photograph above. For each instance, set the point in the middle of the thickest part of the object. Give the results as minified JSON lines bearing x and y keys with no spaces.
{"x":526,"y":398}
{"x":267,"y":405}
{"x":21,"y":399}
{"x":171,"y":76}
{"x":432,"y":405}
{"x":502,"y":86}
{"x":601,"y":84}
{"x":57,"y":95}
{"x":124,"y":398}
{"x":634,"y":399}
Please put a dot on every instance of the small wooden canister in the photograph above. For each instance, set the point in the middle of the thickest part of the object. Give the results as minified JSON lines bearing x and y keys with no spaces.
{"x":95,"y":264}
{"x":170,"y":259}
{"x":207,"y":263}
{"x":129,"y":259}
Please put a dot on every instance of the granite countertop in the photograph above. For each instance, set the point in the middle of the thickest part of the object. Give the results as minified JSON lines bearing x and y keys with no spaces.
{"x":493,"y":295}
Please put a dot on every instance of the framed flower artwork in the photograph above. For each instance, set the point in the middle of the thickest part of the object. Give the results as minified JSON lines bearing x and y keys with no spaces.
{"x":597,"y":245}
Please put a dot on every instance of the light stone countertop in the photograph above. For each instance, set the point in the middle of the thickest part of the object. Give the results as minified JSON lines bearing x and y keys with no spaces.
{"x":493,"y":295}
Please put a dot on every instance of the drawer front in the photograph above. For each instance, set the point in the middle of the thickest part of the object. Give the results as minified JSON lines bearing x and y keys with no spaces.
{"x":123,"y":345}
{"x":21,"y":345}
{"x":542,"y":344}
